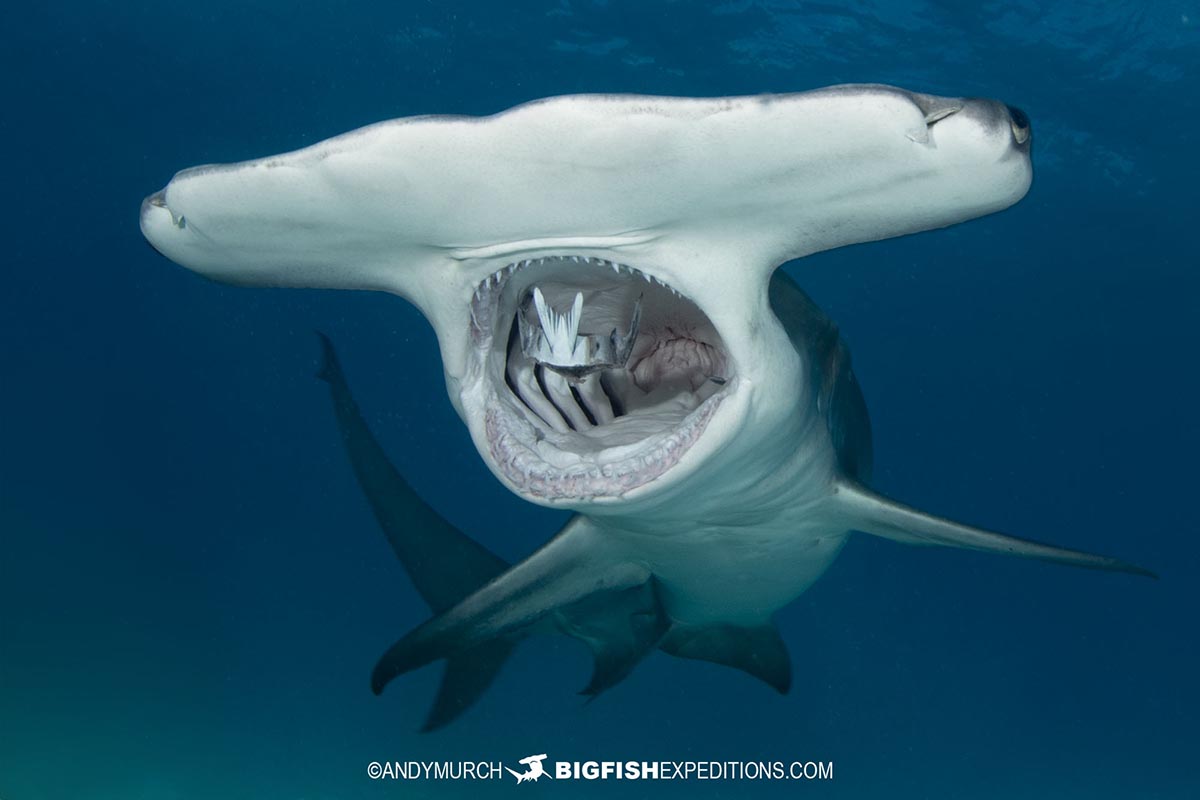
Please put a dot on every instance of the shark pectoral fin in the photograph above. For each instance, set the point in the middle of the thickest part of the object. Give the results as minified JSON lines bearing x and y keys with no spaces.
{"x":756,"y":650}
{"x":873,"y":513}
{"x":578,"y":562}
{"x":621,"y":628}
{"x":467,"y":677}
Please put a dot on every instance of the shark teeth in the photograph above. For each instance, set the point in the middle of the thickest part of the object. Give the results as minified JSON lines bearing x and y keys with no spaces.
{"x":483,"y":301}
{"x":571,"y":411}
{"x":610,"y":474}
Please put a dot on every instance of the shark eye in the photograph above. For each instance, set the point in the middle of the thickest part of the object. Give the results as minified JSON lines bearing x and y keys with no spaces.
{"x":1019,"y":121}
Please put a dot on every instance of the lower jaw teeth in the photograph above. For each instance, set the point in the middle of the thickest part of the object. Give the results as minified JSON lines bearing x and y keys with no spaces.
{"x":611,"y":472}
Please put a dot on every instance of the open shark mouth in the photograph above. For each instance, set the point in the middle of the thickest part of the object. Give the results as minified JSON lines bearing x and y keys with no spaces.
{"x":599,"y":376}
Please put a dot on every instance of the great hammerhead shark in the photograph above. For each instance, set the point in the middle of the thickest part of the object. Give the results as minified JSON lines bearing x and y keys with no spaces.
{"x":601,"y":273}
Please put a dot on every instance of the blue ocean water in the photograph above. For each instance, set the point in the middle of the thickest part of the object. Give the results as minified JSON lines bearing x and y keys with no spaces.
{"x":193,"y":591}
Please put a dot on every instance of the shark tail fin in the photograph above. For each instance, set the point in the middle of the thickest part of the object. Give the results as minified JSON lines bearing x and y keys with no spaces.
{"x":444,"y":564}
{"x":756,"y":650}
{"x":576,"y":565}
{"x":878,"y":515}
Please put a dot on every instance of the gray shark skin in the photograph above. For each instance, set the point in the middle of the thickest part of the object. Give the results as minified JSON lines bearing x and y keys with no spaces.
{"x":601,"y":275}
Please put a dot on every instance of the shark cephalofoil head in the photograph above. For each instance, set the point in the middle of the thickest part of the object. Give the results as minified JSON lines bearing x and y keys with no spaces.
{"x":596,"y":267}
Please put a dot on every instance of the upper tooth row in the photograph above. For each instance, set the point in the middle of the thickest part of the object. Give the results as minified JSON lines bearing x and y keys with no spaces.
{"x":499,"y":275}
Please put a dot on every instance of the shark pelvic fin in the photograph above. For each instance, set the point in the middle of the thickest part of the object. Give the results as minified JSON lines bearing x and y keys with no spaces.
{"x":873,"y":513}
{"x":620,"y":627}
{"x":575,"y":564}
{"x":757,"y":650}
{"x":575,"y":585}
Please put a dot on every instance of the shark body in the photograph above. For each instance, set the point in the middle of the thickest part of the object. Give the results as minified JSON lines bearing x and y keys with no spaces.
{"x":601,"y":274}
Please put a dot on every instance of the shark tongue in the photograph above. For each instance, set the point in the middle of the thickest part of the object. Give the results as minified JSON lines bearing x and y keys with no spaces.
{"x":553,"y":339}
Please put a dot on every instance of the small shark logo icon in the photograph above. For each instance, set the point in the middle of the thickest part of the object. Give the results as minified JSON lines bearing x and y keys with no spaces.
{"x":534,"y":772}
